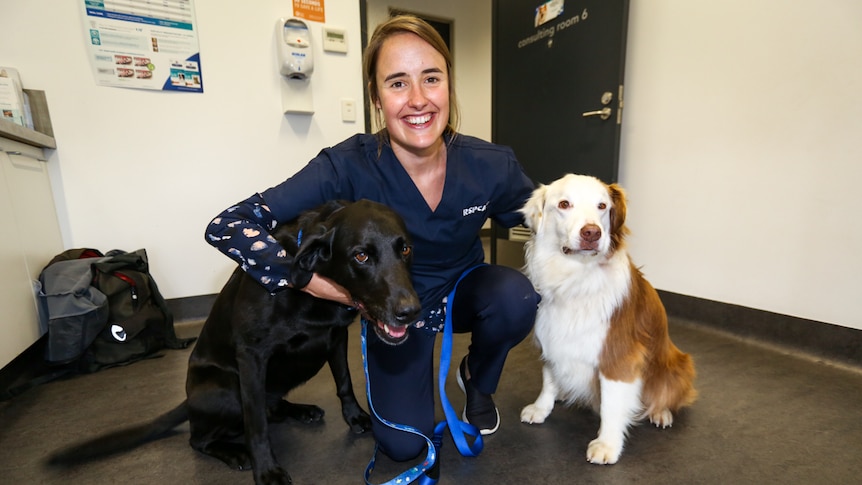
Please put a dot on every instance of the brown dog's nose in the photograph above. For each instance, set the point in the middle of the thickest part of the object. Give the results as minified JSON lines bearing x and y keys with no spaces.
{"x":591,"y":233}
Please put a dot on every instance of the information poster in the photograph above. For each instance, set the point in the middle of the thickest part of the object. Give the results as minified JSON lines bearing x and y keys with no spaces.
{"x":313,"y":10}
{"x":143,"y":44}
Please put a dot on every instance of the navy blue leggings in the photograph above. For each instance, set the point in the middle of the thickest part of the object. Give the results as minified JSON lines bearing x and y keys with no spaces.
{"x":498,"y":305}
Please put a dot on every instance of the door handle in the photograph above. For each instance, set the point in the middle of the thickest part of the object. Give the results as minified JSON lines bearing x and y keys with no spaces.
{"x":603,"y":113}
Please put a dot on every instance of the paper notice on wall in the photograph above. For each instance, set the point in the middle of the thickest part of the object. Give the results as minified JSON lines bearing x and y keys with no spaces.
{"x":313,"y":10}
{"x":142,"y":44}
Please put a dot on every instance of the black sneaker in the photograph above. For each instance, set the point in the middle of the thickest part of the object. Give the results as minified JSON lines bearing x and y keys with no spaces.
{"x":480,"y":410}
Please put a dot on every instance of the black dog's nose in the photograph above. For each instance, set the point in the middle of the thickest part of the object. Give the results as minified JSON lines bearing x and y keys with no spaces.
{"x":408,"y":312}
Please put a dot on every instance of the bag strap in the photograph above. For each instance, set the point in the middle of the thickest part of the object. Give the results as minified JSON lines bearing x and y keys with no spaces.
{"x":457,"y":428}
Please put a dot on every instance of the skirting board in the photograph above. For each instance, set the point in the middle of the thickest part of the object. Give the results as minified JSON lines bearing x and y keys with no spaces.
{"x":192,"y":308}
{"x":822,"y":341}
{"x":819,"y":340}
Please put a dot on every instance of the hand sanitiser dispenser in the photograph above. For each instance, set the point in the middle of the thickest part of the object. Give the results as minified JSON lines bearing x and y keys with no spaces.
{"x":295,"y":65}
{"x":294,"y":49}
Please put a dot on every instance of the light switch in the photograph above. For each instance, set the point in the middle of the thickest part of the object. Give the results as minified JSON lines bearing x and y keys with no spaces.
{"x":348,"y":109}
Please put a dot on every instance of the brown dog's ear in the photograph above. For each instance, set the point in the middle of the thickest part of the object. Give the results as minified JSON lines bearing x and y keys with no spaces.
{"x":618,"y":214}
{"x":315,"y":250}
{"x":532,"y":210}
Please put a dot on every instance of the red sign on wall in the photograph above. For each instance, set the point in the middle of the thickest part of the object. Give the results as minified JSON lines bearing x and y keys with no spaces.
{"x":313,"y":10}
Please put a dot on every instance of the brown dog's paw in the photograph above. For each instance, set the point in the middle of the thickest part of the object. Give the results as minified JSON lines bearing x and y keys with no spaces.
{"x":662,"y":419}
{"x":603,"y":452}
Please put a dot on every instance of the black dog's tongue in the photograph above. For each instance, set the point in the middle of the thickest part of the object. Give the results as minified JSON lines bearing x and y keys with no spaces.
{"x":394,"y":332}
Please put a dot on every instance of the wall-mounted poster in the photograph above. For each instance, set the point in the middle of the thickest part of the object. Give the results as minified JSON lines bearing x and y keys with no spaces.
{"x":143,"y":44}
{"x":314,"y":10}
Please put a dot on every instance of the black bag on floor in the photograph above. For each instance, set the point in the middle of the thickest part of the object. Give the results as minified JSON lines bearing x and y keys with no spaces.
{"x":139,"y":321}
{"x":136,"y":325}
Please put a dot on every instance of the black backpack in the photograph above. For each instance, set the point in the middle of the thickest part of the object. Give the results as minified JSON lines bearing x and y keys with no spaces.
{"x":104,"y":310}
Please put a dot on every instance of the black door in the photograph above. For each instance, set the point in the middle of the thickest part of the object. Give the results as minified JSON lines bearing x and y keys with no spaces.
{"x":557,"y":92}
{"x":558,"y":84}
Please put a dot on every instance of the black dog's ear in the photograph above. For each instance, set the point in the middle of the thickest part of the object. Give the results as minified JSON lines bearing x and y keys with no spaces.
{"x":315,"y":250}
{"x":321,"y":213}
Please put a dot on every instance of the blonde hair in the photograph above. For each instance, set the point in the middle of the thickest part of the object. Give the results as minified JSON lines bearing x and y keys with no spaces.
{"x":410,"y":24}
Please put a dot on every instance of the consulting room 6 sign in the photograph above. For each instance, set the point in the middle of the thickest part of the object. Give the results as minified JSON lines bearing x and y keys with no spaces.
{"x":143,"y":44}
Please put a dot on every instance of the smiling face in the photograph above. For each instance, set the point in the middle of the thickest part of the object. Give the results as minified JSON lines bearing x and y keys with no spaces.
{"x":413,"y":93}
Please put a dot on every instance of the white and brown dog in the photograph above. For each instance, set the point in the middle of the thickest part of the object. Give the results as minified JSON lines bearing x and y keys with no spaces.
{"x":601,"y":326}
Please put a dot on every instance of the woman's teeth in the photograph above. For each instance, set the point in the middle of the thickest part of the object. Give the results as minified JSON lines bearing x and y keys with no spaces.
{"x":418,"y":120}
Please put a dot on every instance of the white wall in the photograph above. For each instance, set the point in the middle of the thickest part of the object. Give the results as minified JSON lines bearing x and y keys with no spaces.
{"x":740,"y":140}
{"x":149,"y":169}
{"x":741,"y":152}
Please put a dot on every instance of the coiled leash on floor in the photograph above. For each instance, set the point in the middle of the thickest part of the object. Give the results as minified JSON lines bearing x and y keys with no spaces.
{"x":457,"y":428}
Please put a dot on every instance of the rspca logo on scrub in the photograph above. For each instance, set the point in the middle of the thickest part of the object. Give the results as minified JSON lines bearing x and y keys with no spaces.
{"x":474,"y":209}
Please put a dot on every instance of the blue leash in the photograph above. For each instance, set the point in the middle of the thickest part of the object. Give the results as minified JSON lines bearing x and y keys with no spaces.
{"x":457,"y":428}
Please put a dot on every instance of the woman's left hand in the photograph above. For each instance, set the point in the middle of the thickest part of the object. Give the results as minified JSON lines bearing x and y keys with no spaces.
{"x":325,"y":288}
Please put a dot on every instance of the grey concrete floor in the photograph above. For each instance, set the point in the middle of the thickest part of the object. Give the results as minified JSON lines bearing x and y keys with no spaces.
{"x":764,"y":416}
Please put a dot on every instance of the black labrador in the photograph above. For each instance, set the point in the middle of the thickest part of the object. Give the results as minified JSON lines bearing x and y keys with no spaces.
{"x":256,"y":346}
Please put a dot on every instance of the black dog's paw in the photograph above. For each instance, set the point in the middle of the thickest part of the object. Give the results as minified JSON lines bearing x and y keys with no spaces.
{"x":360,"y":424}
{"x":235,"y":455}
{"x":274,"y":476}
{"x":358,"y":420}
{"x":241,"y":463}
{"x":306,"y":413}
